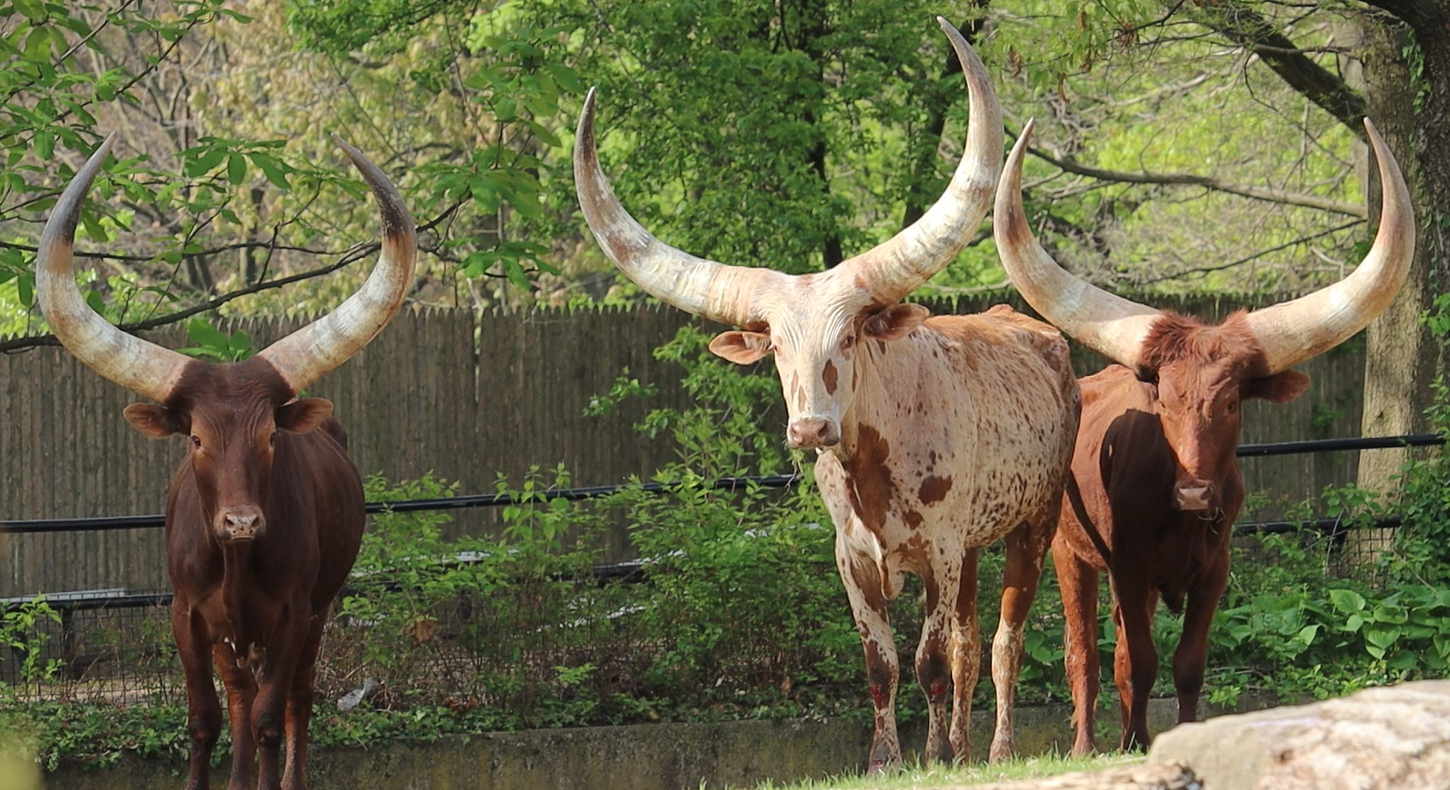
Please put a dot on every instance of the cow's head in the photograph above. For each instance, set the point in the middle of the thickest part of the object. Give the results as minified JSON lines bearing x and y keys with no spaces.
{"x":232,"y":415}
{"x":1200,"y":374}
{"x":816,"y":325}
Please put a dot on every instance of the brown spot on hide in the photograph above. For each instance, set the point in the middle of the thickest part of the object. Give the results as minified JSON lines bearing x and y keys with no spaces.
{"x":934,"y":489}
{"x":913,"y":519}
{"x":829,"y":375}
{"x":871,"y":486}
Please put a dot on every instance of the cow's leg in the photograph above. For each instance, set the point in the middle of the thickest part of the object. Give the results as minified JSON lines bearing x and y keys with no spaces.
{"x":966,"y":656}
{"x":1026,"y":549}
{"x":868,"y":608}
{"x":1192,"y":652}
{"x":241,"y":692}
{"x":1135,"y":660}
{"x":1079,"y":584}
{"x":204,"y":710}
{"x":933,"y":656}
{"x":299,"y":708}
{"x":269,"y":712}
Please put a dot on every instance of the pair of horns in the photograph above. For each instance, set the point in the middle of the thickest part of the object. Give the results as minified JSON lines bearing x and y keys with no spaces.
{"x":1291,"y":332}
{"x":1111,"y":325}
{"x":888,"y":272}
{"x":152,"y":371}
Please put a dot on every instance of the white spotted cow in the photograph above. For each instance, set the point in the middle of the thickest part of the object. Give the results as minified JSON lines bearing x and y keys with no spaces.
{"x":934,"y":436}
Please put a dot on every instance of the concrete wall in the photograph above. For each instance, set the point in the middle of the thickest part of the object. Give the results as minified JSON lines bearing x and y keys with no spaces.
{"x":637,"y":757}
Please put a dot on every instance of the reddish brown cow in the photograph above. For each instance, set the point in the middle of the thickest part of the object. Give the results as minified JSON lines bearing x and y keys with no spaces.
{"x":265,"y":513}
{"x":934,"y":436}
{"x":1156,"y":484}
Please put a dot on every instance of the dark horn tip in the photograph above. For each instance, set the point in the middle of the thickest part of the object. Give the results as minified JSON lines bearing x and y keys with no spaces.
{"x":584,"y":145}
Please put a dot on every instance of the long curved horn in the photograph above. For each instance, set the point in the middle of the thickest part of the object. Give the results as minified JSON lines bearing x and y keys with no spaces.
{"x":1297,"y":330}
{"x":702,"y":287}
{"x":145,"y":368}
{"x":896,"y":267}
{"x":308,"y":353}
{"x":1108,"y":324}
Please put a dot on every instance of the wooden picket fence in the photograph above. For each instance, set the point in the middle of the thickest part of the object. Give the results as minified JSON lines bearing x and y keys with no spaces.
{"x":467,"y":397}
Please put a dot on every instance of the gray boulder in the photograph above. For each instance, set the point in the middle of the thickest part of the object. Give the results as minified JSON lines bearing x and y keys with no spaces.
{"x":1395,"y":737}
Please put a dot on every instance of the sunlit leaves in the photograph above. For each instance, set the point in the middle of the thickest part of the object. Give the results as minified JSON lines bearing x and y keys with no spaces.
{"x":211,"y":343}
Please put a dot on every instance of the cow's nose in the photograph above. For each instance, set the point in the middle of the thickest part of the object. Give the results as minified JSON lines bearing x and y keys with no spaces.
{"x":1194,"y":495}
{"x":242,"y":524}
{"x":816,"y":432}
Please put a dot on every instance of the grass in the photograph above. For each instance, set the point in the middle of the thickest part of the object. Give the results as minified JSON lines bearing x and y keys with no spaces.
{"x":18,"y":770}
{"x":965,"y":775}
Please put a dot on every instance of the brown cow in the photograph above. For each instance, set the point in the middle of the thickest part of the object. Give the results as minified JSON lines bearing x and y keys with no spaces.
{"x":265,"y":513}
{"x":934,"y":436}
{"x":1156,"y":484}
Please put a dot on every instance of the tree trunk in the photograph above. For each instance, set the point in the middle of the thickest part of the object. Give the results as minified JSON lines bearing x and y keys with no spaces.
{"x":1403,"y":359}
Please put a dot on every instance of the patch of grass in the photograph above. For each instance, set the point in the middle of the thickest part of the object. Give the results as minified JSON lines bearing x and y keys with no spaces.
{"x":966,"y":775}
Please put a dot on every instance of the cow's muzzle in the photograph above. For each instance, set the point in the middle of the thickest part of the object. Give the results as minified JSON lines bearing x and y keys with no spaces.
{"x":814,"y":432}
{"x":1195,"y":495}
{"x":239,"y":525}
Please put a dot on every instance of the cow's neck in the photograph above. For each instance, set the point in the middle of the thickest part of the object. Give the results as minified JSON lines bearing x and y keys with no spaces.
{"x":886,"y":376}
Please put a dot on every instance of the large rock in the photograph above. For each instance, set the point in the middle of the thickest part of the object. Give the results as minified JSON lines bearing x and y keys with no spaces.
{"x":1395,"y":737}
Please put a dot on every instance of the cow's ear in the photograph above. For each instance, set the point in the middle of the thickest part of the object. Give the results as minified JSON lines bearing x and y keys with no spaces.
{"x":742,"y":348}
{"x":1278,"y":388}
{"x":895,"y":322}
{"x":156,"y":422}
{"x":301,"y":416}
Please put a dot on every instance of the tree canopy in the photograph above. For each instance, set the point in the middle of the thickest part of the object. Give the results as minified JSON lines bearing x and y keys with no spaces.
{"x":1181,"y":146}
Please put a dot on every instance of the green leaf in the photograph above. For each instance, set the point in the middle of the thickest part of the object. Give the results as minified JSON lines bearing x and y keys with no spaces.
{"x":1346,"y":600}
{"x":33,"y":10}
{"x":1381,"y":637}
{"x":236,"y":169}
{"x":25,"y":289}
{"x":94,"y":229}
{"x":516,"y":274}
{"x":37,"y":46}
{"x":203,"y":164}
{"x":271,"y":169}
{"x":1404,"y":661}
{"x":44,"y":144}
{"x":96,"y":302}
{"x":204,"y":334}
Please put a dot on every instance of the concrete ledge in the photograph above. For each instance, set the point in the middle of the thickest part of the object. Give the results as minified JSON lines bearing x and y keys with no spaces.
{"x":635,"y":757}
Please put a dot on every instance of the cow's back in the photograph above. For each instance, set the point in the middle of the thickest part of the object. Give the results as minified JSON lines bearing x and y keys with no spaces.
{"x":972,"y":419}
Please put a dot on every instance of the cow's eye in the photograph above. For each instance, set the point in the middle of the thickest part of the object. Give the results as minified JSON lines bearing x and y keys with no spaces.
{"x":1233,"y":407}
{"x":850,"y":340}
{"x":196,"y":441}
{"x":272,"y":440}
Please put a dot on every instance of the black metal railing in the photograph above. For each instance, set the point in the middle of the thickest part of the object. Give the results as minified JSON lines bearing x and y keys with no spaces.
{"x":80,"y":601}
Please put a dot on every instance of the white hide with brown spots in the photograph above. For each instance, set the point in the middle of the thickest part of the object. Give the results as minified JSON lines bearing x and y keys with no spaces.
{"x":935,"y":437}
{"x":957,"y":434}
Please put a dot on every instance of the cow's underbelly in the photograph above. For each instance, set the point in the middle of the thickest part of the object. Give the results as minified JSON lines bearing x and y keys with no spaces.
{"x":936,"y":509}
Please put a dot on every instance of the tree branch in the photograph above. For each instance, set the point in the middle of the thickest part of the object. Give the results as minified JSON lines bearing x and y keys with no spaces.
{"x":1247,"y":258}
{"x":356,"y":254}
{"x":351,"y":255}
{"x":1241,"y":25}
{"x":1207,"y":182}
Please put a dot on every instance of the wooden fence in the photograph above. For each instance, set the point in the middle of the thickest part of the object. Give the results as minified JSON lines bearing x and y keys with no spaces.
{"x":466,"y":397}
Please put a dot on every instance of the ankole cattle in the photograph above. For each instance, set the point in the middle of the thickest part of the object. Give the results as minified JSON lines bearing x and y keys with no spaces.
{"x":265,"y":513}
{"x":1155,"y":482}
{"x":934,"y":436}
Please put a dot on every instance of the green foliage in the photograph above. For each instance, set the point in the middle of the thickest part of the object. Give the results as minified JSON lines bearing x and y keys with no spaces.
{"x":215,"y":344}
{"x":22,"y":631}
